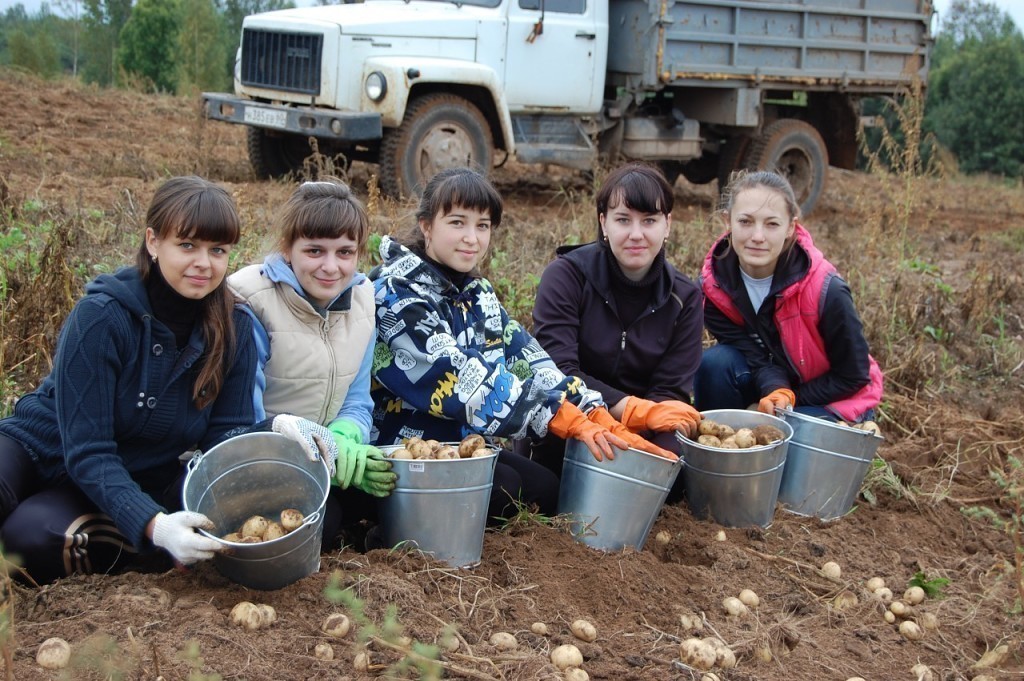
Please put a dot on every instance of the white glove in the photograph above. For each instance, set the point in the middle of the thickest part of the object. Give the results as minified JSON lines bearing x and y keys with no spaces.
{"x":316,"y":440}
{"x":177,"y":534}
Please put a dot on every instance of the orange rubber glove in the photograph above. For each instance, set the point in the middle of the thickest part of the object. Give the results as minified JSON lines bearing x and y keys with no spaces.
{"x":602,"y":417}
{"x":641,"y":414}
{"x":782,"y":398}
{"x":570,"y":422}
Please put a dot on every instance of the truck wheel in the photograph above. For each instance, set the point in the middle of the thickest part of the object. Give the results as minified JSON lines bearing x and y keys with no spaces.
{"x":273,"y":154}
{"x":439,"y":131}
{"x":794,"y":149}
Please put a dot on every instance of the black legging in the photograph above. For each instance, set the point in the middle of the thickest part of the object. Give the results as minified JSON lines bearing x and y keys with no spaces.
{"x":518,"y":479}
{"x":55,"y":530}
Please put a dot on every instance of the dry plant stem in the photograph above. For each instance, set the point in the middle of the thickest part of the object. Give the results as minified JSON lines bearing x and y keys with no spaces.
{"x":448,"y":666}
{"x":795,"y":563}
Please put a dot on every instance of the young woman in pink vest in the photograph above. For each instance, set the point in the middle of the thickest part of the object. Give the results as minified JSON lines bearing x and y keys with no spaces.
{"x":788,"y":334}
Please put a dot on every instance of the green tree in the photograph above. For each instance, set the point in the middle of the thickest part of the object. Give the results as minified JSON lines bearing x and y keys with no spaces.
{"x":102,"y":22}
{"x":976,"y":89}
{"x":200,"y":48}
{"x":148,"y":46}
{"x":34,"y":51}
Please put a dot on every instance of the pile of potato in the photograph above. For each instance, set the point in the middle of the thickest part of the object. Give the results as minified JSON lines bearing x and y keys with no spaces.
{"x":258,"y":529}
{"x":722,"y":436}
{"x":472,"y":447}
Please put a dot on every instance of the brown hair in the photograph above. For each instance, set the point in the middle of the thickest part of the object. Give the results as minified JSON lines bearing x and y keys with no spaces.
{"x":638,"y":186}
{"x":449,"y":188}
{"x":326,"y":209}
{"x":192,"y":207}
{"x":742,"y":180}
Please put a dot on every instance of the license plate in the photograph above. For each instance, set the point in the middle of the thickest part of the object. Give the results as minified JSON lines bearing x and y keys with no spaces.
{"x":266,"y":117}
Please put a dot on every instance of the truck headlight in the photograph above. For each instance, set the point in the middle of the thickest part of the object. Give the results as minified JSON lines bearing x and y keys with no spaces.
{"x":376,"y":86}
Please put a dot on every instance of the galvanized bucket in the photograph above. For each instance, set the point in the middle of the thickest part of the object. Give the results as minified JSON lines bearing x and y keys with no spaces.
{"x":825,"y":466}
{"x":439,"y":507}
{"x":260,"y":474}
{"x":735,"y":487}
{"x":613,"y":504}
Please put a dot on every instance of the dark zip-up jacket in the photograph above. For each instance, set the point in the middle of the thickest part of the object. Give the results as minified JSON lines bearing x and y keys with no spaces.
{"x":116,"y":411}
{"x":758,"y":339}
{"x":577,"y":323}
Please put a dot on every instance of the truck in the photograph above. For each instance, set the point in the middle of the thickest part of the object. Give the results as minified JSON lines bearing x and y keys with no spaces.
{"x":698,"y":87}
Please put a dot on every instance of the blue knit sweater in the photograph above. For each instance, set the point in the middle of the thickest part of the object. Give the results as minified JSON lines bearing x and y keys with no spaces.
{"x":116,"y":412}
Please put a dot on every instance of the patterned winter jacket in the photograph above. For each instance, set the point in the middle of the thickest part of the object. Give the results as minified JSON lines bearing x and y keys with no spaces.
{"x":450,"y":362}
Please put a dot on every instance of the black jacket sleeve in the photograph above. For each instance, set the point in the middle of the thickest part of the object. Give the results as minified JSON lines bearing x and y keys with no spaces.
{"x":769,"y":371}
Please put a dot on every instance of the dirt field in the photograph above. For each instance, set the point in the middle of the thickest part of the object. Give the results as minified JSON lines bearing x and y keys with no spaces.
{"x":951,"y":416}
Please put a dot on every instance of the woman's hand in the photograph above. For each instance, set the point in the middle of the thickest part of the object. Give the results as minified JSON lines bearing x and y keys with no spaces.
{"x":314,"y":438}
{"x":641,"y":414}
{"x":570,"y":422}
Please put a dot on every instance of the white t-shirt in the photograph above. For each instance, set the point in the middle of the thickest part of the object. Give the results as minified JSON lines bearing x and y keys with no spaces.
{"x":757,"y":289}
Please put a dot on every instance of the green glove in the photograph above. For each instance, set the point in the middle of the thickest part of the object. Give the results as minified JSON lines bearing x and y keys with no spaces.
{"x":361,"y":465}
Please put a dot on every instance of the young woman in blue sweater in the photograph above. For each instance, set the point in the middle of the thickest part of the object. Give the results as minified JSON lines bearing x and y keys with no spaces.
{"x":153,"y":361}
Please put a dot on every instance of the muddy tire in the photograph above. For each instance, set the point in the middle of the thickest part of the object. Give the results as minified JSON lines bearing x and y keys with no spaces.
{"x":273,"y":154}
{"x":439,"y":131}
{"x":796,"y":150}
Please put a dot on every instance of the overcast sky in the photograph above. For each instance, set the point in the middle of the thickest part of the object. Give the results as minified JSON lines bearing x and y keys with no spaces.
{"x":1014,"y":7}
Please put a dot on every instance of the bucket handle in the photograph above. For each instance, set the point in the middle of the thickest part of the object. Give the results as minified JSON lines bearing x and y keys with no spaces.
{"x":193,"y":463}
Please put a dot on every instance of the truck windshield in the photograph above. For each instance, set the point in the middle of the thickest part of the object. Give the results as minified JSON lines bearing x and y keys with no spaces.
{"x":477,"y":3}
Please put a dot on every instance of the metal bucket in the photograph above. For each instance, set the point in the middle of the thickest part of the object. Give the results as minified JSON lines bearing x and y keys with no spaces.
{"x":825,"y":466}
{"x":613,"y":504}
{"x":439,"y":506}
{"x":736,"y":487}
{"x":260,"y":473}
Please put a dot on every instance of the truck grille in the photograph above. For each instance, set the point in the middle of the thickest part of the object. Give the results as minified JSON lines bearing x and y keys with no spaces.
{"x":282,"y":61}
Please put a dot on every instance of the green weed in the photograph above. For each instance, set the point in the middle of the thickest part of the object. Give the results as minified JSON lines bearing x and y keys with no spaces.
{"x":933,"y":587}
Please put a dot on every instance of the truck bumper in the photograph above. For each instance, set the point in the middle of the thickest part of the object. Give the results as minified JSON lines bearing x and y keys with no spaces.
{"x":301,"y":120}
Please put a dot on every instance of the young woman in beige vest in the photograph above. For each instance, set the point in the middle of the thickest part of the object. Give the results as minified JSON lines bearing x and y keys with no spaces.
{"x":314,"y":330}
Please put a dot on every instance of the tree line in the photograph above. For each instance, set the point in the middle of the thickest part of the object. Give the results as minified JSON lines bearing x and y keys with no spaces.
{"x":973,"y":104}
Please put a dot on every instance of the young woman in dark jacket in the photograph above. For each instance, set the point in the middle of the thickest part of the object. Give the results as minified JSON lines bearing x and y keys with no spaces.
{"x":616,"y":313}
{"x":151,"y":362}
{"x":787,"y":330}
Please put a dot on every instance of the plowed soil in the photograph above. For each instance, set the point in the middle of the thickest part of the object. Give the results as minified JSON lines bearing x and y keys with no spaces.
{"x":95,"y":149}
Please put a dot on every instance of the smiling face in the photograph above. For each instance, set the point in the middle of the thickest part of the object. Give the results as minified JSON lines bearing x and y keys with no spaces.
{"x":324,"y":267}
{"x":761,"y":223}
{"x":192,"y":267}
{"x":459,"y":238}
{"x":635,"y":237}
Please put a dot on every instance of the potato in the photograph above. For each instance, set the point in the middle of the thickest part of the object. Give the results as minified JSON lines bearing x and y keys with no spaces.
{"x":928,"y":621}
{"x":870,"y":426}
{"x":361,"y":662}
{"x":691,"y":622}
{"x":724,"y":431}
{"x":709,"y":441}
{"x":724,"y":657}
{"x":844,"y":600}
{"x":729,"y":443}
{"x":539,"y":628}
{"x":470,"y":444}
{"x":292,"y":519}
{"x":233,"y":537}
{"x":914,"y":595}
{"x":921,"y":672}
{"x":899,"y":608}
{"x":575,"y":674}
{"x":446,"y":452}
{"x":254,"y":526}
{"x":275,"y":530}
{"x":502,"y":640}
{"x":874,"y":584}
{"x":734,"y":607}
{"x":884,"y":594}
{"x":336,"y":625}
{"x":323,"y":651}
{"x":246,"y":615}
{"x":663,"y":537}
{"x":418,"y":448}
{"x":889,"y":617}
{"x":583,"y":630}
{"x":765,"y":434}
{"x":832,"y":570}
{"x":744,"y":438}
{"x":763,"y":654}
{"x":482,"y":452}
{"x":401,"y":453}
{"x":720,"y":536}
{"x":697,"y":654}
{"x":53,"y":653}
{"x":910,"y":631}
{"x":708,"y":427}
{"x":267,"y":613}
{"x":566,"y":655}
{"x":433,"y":444}
{"x":250,"y":540}
{"x":749,"y":598}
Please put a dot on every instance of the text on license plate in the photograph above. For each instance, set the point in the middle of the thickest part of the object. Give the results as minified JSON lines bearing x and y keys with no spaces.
{"x":269,"y":117}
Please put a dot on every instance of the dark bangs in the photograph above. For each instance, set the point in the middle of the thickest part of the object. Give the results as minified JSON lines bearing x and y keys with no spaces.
{"x":209,"y":215}
{"x":640,"y":187}
{"x":326,"y":217}
{"x":459,"y":187}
